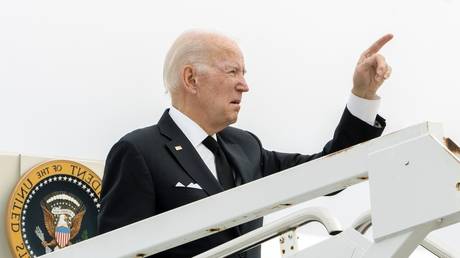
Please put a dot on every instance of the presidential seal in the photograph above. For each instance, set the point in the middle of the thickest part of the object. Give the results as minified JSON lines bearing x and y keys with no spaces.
{"x":54,"y":205}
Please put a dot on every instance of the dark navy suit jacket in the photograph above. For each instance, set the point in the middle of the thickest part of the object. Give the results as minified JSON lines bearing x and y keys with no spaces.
{"x":143,"y":168}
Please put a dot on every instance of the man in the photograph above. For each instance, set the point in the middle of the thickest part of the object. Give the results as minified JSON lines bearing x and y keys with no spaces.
{"x":192,"y":152}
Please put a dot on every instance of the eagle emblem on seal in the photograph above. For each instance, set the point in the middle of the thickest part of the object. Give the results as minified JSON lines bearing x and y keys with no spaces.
{"x":63,"y":214}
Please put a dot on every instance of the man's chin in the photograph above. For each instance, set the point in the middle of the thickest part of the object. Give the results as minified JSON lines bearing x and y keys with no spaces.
{"x":233,"y":119}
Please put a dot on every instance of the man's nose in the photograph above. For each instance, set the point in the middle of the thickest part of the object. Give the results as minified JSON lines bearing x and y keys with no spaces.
{"x":243,"y":86}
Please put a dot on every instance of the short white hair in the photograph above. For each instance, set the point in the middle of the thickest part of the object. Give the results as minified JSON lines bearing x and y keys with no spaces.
{"x":193,"y":47}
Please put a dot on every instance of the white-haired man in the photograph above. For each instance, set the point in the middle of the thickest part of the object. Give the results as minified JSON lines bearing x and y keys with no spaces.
{"x":193,"y":153}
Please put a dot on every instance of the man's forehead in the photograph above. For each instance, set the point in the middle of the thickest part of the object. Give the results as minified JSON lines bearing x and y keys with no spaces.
{"x":229,"y":58}
{"x":227,"y":63}
{"x":224,"y":46}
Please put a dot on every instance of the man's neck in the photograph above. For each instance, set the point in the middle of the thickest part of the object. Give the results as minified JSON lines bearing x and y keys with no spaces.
{"x":198,"y":119}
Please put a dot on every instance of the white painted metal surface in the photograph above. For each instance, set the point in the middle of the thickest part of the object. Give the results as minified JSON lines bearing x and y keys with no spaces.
{"x":436,"y":249}
{"x":415,"y":180}
{"x":364,"y":222}
{"x":287,"y":224}
{"x":347,"y":244}
{"x":288,"y":243}
{"x":412,"y":173}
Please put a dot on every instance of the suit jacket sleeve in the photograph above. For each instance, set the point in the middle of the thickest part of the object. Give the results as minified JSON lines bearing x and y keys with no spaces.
{"x":127,"y":187}
{"x":350,"y":131}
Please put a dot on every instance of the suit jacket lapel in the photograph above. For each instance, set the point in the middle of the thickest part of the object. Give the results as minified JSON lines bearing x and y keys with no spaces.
{"x":190,"y":160}
{"x":186,"y":155}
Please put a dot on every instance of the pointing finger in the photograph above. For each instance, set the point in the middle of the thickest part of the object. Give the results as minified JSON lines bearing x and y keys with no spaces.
{"x":374,"y":48}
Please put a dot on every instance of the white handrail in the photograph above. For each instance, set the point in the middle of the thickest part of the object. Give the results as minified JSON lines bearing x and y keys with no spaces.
{"x":260,"y":235}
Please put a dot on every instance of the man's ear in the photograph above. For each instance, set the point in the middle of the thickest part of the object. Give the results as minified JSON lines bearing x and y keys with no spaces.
{"x":189,"y":79}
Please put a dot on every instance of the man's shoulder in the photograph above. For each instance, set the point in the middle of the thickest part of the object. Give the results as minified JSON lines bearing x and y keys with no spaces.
{"x":233,"y":131}
{"x":141,"y":135}
{"x":236,"y":134}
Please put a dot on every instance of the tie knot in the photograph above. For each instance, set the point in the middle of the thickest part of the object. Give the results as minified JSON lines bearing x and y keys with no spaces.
{"x":212,"y":145}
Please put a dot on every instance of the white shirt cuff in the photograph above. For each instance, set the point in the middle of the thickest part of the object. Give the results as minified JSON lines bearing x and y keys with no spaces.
{"x":364,"y":109}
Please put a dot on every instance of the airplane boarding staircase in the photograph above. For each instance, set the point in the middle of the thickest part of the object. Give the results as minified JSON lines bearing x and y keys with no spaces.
{"x":414,"y":182}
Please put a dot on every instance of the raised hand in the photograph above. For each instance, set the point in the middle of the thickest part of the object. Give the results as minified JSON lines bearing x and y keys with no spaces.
{"x":371,"y":71}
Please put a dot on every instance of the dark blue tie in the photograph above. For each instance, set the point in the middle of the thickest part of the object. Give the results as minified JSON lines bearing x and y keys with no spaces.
{"x":224,"y":170}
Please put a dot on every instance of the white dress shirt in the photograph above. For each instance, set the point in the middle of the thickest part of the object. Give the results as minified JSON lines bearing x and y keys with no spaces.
{"x":363,"y":109}
{"x":195,"y":134}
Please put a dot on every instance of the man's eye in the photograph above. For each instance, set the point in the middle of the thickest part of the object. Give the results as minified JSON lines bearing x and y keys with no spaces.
{"x":232,"y":72}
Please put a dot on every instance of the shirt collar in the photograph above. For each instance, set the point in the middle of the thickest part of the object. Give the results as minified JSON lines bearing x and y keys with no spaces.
{"x":194,"y":133}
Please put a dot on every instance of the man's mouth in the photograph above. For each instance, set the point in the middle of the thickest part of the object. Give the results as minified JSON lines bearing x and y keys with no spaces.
{"x":236,"y":102}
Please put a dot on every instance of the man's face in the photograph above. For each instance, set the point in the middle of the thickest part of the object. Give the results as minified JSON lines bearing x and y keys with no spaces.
{"x":220,"y":88}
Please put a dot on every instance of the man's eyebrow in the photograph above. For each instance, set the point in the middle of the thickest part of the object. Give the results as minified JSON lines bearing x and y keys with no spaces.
{"x":231,"y":66}
{"x":236,"y":66}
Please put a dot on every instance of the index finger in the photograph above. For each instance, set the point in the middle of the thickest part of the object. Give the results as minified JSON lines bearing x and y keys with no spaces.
{"x":378,"y":45}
